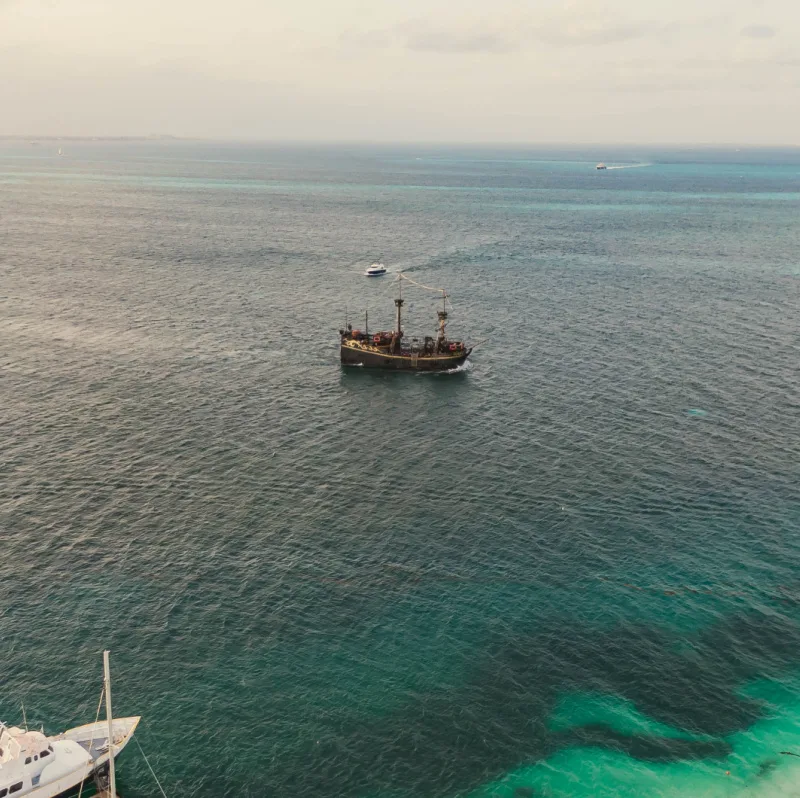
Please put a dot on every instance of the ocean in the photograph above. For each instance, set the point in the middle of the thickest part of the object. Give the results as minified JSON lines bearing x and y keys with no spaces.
{"x":569,"y":569}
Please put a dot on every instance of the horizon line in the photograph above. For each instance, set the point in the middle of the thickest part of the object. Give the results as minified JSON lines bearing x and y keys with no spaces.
{"x":164,"y":137}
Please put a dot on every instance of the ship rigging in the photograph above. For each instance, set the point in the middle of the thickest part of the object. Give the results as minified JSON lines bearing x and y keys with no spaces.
{"x":390,"y":349}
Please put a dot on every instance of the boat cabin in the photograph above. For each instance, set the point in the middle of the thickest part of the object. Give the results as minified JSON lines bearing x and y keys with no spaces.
{"x":23,"y":757}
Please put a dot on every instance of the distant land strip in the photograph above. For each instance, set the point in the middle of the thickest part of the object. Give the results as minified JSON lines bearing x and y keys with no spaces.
{"x":154,"y":137}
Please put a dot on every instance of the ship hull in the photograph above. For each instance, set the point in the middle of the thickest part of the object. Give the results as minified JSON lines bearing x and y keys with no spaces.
{"x":369,"y":358}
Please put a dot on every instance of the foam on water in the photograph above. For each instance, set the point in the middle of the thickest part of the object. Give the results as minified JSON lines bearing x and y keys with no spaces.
{"x":465,"y":366}
{"x":629,"y":166}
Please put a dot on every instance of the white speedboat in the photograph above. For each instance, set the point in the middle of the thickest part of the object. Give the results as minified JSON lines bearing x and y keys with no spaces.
{"x":33,"y":765}
{"x":376,"y":270}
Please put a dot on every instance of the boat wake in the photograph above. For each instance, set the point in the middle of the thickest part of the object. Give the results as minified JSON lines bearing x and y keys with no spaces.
{"x":465,"y":366}
{"x":629,"y":166}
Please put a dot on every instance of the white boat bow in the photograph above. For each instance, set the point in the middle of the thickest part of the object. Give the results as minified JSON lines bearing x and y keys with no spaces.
{"x":93,"y":737}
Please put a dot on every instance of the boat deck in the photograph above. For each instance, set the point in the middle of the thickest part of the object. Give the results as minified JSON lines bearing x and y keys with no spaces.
{"x":95,"y":748}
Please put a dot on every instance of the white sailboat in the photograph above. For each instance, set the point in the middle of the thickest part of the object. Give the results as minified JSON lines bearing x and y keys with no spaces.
{"x":33,"y":765}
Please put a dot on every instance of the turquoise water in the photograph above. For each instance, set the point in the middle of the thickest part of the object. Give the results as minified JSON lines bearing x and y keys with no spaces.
{"x":570,"y":570}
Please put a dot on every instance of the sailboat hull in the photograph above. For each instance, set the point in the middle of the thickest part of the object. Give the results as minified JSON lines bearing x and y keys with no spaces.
{"x":89,"y":754}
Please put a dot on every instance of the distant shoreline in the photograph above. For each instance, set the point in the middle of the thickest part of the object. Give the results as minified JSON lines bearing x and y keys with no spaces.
{"x":513,"y":145}
{"x":9,"y":137}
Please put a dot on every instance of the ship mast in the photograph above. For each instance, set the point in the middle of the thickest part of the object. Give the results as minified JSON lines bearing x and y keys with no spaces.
{"x":112,"y":776}
{"x":399,"y":303}
{"x":442,"y":314}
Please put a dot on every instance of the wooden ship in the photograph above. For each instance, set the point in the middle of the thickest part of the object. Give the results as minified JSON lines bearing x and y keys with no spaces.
{"x":390,"y":349}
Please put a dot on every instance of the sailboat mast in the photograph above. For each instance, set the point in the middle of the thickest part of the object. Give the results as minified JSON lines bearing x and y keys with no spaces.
{"x":112,"y":776}
{"x":399,"y":303}
{"x":442,"y":314}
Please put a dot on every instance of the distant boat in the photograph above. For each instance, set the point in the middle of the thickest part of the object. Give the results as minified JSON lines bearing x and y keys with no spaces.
{"x":601,"y":166}
{"x":60,"y":151}
{"x":376,"y":270}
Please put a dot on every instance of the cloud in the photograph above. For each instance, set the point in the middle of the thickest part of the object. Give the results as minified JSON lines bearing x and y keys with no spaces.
{"x":758,"y":31}
{"x":571,"y":26}
{"x":600,"y":31}
{"x":422,"y":36}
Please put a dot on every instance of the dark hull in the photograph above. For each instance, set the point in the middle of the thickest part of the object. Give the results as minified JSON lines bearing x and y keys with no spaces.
{"x":379,"y":360}
{"x":98,"y":777}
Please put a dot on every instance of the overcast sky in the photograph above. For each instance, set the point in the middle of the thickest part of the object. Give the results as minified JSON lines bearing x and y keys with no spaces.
{"x":642,"y":71}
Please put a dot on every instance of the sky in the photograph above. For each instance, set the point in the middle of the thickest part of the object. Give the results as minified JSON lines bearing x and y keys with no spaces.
{"x":554,"y":71}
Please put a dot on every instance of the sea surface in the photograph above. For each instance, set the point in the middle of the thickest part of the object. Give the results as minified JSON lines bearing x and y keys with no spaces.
{"x":570,"y":569}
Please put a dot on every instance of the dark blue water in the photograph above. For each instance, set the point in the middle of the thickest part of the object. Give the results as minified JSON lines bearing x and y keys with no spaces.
{"x":570,"y":570}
